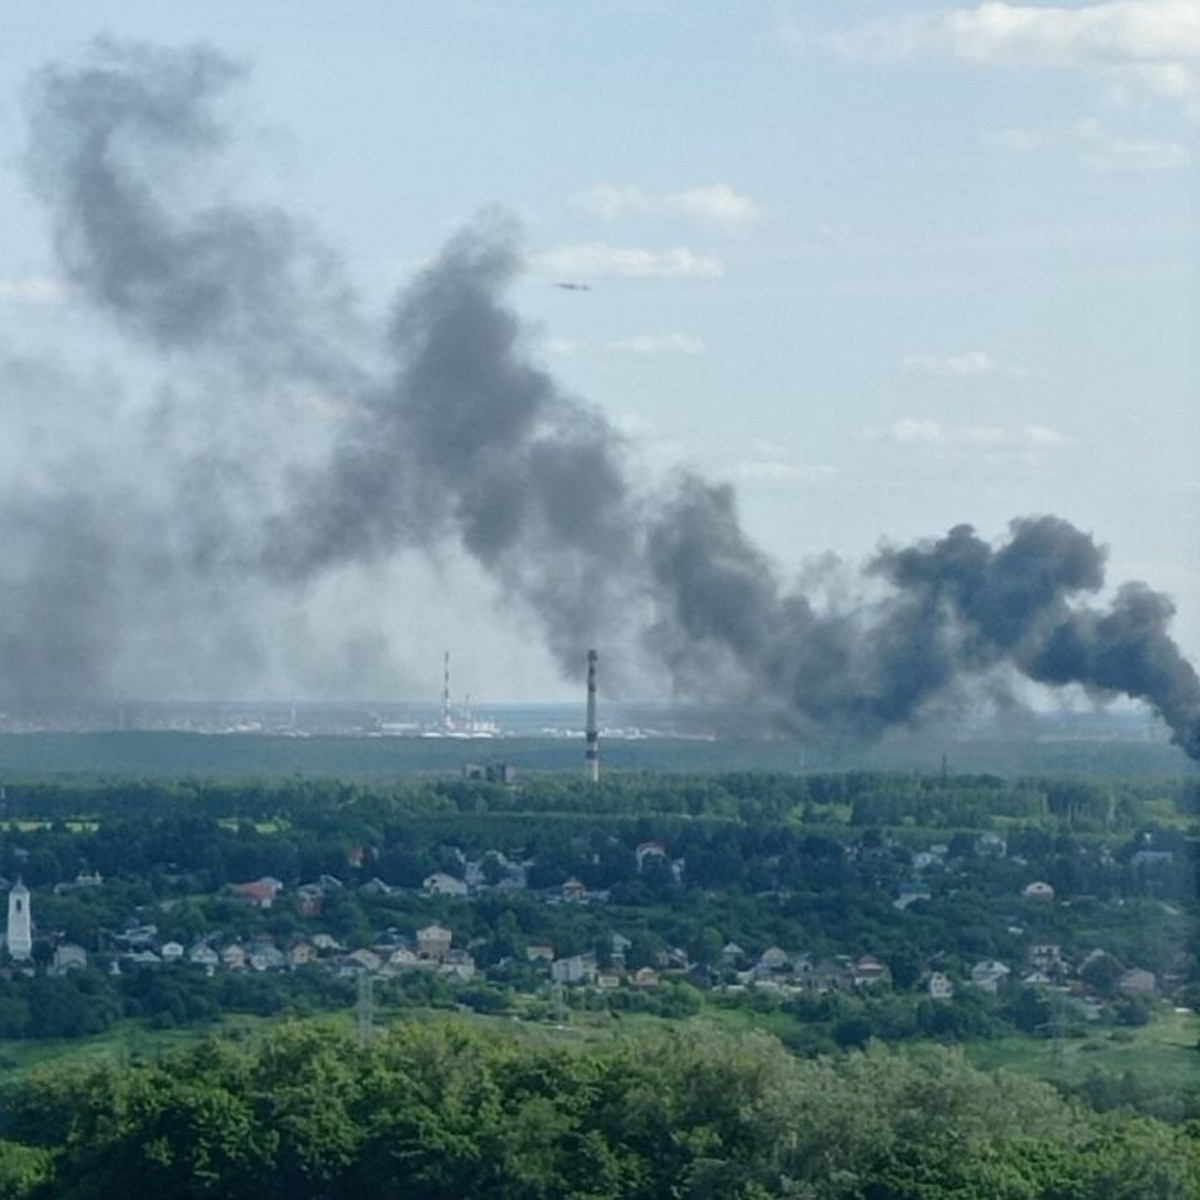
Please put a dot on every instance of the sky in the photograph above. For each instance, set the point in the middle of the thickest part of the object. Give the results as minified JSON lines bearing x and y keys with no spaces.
{"x":884,"y":268}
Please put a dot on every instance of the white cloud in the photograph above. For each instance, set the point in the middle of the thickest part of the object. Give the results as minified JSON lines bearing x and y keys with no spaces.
{"x":33,"y":289}
{"x":714,"y":204}
{"x":769,"y":463}
{"x":1108,"y":153}
{"x":923,"y":431}
{"x":599,"y":258}
{"x":609,"y":201}
{"x":561,"y":345}
{"x":1095,"y":147}
{"x":1156,"y":40}
{"x":971,"y":365}
{"x":780,"y":471}
{"x":1042,"y":435}
{"x":661,"y":343}
{"x":1017,"y":141}
{"x":718,"y":204}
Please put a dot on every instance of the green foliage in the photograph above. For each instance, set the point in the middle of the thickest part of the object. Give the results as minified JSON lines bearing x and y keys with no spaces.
{"x":435,"y":1112}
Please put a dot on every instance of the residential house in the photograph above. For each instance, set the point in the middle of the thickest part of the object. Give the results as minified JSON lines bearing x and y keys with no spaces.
{"x":1038,"y":890}
{"x":1137,"y":982}
{"x":362,"y":960}
{"x":990,"y":845}
{"x":939,"y":986}
{"x":539,"y":952}
{"x":233,"y":957}
{"x":869,"y":970}
{"x":989,"y":975}
{"x":441,"y":884}
{"x":573,"y":890}
{"x":732,"y":955}
{"x":675,"y":959}
{"x":909,"y":893}
{"x":300,"y":954}
{"x":774,"y":959}
{"x":260,"y":893}
{"x":576,"y":968}
{"x":645,"y":977}
{"x":433,"y":942}
{"x":67,"y":957}
{"x":171,"y":951}
{"x":1152,"y":860}
{"x":264,"y":955}
{"x":1045,"y":956}
{"x":830,"y":975}
{"x":458,"y":965}
{"x":138,"y":937}
{"x":203,"y":955}
{"x":650,"y":849}
{"x":1037,"y":979}
{"x":621,"y":945}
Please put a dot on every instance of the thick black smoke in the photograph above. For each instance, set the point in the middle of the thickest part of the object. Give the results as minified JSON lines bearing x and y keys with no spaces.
{"x":435,"y":429}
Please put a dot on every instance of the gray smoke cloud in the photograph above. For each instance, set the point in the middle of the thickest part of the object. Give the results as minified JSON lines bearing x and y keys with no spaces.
{"x":437,"y":428}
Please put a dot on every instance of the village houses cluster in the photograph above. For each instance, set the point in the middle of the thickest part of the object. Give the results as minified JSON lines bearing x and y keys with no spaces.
{"x":430,"y":947}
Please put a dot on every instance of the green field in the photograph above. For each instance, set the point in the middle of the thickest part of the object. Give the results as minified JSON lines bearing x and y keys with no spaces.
{"x":1162,"y":1055}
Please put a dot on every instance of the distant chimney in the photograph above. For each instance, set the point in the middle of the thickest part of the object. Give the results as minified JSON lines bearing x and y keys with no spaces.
{"x":592,"y":733}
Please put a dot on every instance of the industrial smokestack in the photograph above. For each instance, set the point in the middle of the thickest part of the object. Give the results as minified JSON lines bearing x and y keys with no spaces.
{"x":592,"y":733}
{"x":446,"y":722}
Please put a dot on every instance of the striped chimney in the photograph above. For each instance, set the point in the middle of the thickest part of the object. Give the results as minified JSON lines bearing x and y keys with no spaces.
{"x":592,"y":733}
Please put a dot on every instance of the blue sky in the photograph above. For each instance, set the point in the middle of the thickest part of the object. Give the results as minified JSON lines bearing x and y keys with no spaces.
{"x":886,"y":268}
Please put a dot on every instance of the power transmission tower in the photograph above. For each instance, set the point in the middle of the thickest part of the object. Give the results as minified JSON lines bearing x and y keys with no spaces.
{"x":364,"y":1007}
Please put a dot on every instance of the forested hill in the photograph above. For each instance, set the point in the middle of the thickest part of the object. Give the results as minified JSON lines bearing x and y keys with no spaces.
{"x":436,"y":1112}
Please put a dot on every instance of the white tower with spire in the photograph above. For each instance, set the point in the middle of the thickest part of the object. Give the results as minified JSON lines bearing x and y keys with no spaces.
{"x":20,"y":924}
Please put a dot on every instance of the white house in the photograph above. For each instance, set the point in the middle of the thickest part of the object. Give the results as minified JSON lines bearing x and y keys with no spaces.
{"x":577,"y":968}
{"x":68,"y":957}
{"x":989,"y":974}
{"x":441,"y":884}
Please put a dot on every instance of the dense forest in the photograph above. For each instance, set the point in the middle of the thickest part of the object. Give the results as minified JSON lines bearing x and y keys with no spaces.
{"x":438,"y":1112}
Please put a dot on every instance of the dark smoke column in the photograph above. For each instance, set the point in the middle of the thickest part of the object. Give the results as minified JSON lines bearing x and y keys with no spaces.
{"x":592,"y":733}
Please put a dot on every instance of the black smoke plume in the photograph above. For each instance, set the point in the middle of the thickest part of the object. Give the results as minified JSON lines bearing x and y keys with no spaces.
{"x":195,"y":519}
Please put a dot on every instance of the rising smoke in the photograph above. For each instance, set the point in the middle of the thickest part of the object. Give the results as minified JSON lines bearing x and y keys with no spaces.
{"x":295,"y":440}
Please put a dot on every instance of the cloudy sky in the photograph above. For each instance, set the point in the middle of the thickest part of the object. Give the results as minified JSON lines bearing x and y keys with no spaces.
{"x":884,"y":268}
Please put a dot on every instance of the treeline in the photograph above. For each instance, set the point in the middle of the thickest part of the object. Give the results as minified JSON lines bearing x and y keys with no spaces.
{"x":860,"y":798}
{"x":88,"y":1003}
{"x":439,"y":1113}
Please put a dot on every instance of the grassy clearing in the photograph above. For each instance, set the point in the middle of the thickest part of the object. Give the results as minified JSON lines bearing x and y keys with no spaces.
{"x":126,"y":1042}
{"x":1162,"y":1055}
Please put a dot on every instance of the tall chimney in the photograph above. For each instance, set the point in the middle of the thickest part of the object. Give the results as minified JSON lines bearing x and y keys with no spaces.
{"x":446,"y":692}
{"x":592,"y":733}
